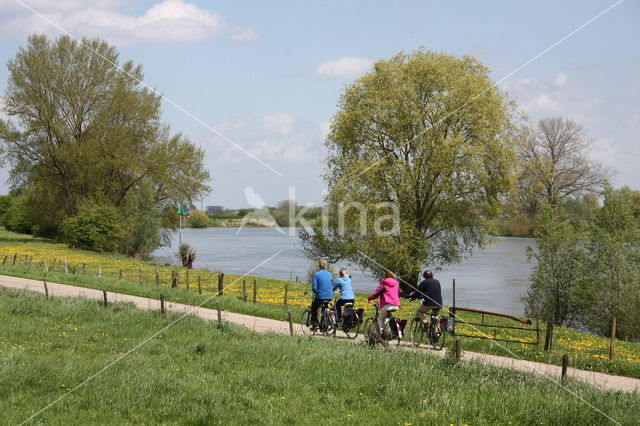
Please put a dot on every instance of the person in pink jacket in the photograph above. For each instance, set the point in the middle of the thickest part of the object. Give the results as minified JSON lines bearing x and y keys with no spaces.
{"x":389,"y":293}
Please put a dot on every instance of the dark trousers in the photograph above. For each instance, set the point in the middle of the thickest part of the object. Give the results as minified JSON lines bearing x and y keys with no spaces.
{"x":340,"y":303}
{"x":314,"y":309}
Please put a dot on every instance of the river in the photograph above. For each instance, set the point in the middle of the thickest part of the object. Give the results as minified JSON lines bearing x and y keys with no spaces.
{"x":493,"y":279}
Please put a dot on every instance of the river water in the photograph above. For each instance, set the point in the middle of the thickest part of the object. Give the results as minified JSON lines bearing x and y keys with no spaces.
{"x":493,"y":279}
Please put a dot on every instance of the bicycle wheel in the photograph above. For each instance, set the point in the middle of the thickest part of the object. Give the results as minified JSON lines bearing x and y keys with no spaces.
{"x":367,"y":327}
{"x":352,"y":332}
{"x":329,"y":324}
{"x":417,"y":331}
{"x":305,"y":323}
{"x":436,"y":336}
{"x":399,"y":333}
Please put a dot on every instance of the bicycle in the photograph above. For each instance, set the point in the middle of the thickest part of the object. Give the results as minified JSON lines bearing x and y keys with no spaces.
{"x":433,"y":329}
{"x":373,"y":334}
{"x":328,"y":322}
{"x":351,"y":328}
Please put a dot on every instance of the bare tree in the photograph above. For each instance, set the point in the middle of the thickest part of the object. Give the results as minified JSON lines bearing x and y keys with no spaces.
{"x":555,"y":163}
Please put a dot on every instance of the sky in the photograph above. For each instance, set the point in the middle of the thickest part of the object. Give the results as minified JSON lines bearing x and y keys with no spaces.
{"x":256,"y":83}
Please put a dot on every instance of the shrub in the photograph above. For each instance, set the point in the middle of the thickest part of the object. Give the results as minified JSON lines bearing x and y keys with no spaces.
{"x":16,"y":218}
{"x":198,"y":219}
{"x":96,"y":227}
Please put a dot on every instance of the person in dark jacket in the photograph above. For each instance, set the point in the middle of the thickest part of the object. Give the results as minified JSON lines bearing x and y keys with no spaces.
{"x":431,"y":295}
{"x":322,"y":288}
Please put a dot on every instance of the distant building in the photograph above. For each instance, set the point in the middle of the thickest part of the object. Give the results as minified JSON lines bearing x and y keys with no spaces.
{"x":214,"y":209}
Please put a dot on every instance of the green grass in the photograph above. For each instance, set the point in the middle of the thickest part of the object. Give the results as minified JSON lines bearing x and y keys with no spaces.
{"x":193,"y":373}
{"x":585,"y":351}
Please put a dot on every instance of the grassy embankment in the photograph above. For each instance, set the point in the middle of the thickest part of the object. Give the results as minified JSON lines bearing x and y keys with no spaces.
{"x":139,"y":278}
{"x":194,"y":373}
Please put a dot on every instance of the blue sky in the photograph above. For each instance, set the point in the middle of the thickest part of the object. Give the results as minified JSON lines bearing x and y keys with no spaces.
{"x":268,"y":75}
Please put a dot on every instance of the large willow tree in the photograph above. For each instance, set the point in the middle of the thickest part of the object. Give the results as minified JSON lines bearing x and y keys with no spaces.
{"x":83,"y":127}
{"x":427,"y":135}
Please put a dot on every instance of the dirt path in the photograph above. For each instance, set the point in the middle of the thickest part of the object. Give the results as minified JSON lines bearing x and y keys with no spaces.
{"x":604,"y":381}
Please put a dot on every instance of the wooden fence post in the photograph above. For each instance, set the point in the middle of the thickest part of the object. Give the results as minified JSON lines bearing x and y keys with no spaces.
{"x":15,"y":257}
{"x":548,"y":338}
{"x":199,"y":285}
{"x":84,"y":268}
{"x":612,"y":338}
{"x":286,"y":294}
{"x":290,"y":322}
{"x":565,"y":364}
{"x":46,"y":289}
{"x":157,"y":277}
{"x":244,"y":290}
{"x":161,"y":304}
{"x":255,"y":291}
{"x":187,"y":278}
{"x":140,"y":276}
{"x":221,"y":284}
{"x":174,"y":278}
{"x":119,"y":274}
{"x":537,"y":333}
{"x":4,"y":262}
{"x":104,"y":297}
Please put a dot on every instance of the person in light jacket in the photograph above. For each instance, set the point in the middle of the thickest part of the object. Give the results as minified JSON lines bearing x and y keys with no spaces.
{"x":346,"y":291}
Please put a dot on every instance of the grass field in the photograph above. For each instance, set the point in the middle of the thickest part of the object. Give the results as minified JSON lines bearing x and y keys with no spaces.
{"x":43,"y":259}
{"x":194,"y":373}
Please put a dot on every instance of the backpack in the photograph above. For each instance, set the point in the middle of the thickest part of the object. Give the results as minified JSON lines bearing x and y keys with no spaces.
{"x":349,"y":317}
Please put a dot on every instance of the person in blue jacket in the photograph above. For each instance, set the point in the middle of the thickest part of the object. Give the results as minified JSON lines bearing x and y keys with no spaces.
{"x":322,"y":288}
{"x":346,"y":291}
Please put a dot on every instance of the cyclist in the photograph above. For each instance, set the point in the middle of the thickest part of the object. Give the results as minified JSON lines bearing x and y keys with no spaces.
{"x":388,"y":291}
{"x":322,"y":288}
{"x":346,"y":291}
{"x":431,"y":295}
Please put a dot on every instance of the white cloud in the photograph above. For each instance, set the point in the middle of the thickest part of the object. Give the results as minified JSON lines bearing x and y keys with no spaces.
{"x":634,"y":120}
{"x":280,"y":123}
{"x":244,"y":35}
{"x":169,"y":21}
{"x":48,"y":6}
{"x":540,"y":99}
{"x":604,"y":151}
{"x":274,"y":138}
{"x":325,"y":128}
{"x":344,"y":67}
{"x":561,"y":79}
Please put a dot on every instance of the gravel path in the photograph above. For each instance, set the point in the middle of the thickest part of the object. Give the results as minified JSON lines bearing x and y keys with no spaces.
{"x":601,"y":380}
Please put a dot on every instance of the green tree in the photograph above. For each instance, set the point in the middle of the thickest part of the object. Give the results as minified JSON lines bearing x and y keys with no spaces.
{"x":141,"y":232}
{"x":614,"y":289}
{"x":424,"y":137}
{"x":83,"y":127}
{"x":561,"y":257}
